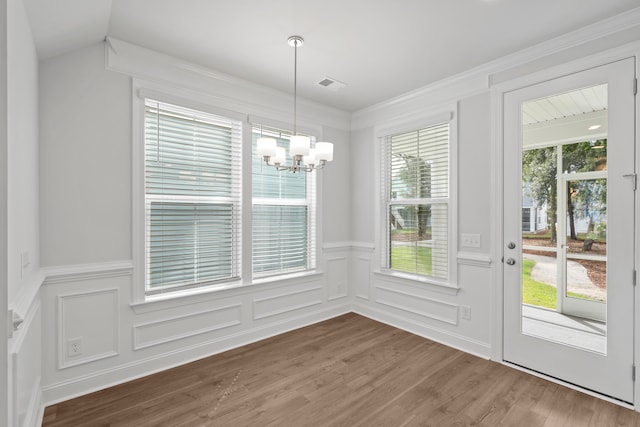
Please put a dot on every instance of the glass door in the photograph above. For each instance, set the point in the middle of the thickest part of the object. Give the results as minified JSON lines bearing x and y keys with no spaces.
{"x":569,"y":227}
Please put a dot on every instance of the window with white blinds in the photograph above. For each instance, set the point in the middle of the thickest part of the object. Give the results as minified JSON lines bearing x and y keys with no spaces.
{"x":192,"y":174}
{"x":416,"y":199}
{"x":283,"y":214}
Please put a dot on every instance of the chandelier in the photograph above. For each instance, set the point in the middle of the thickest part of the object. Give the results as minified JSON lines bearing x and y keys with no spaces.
{"x":304,"y":158}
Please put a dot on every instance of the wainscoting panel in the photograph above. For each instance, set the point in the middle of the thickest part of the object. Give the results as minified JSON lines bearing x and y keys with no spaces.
{"x":362,"y":277}
{"x":337,"y":276}
{"x":25,"y":370}
{"x":88,"y":320}
{"x":417,"y":304}
{"x":286,"y":302}
{"x":172,"y":329}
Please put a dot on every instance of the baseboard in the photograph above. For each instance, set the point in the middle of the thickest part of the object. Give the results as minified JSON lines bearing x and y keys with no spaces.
{"x":35,"y":410}
{"x":95,"y":381}
{"x":459,"y":342}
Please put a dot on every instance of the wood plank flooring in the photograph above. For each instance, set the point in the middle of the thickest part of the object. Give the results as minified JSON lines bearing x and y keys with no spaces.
{"x":347,"y":371}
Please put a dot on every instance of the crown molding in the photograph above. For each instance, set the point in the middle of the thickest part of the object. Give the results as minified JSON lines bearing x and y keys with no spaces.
{"x":479,"y":79}
{"x":226,"y":90}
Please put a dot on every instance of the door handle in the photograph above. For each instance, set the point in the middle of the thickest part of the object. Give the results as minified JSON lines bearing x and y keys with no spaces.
{"x":511,"y":245}
{"x":511,"y":261}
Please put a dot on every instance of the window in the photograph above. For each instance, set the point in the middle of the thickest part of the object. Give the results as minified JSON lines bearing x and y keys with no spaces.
{"x":283,"y":214}
{"x":192,"y":170}
{"x":416,"y":201}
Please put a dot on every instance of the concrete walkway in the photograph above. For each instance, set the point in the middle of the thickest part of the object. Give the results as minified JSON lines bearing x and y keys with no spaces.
{"x":545,"y":270}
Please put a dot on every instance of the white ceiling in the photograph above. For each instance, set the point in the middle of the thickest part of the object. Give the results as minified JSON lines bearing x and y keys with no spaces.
{"x":379,"y":48}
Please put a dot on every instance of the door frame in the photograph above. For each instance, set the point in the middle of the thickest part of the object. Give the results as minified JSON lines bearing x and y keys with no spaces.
{"x":4,"y":285}
{"x":497,"y":198}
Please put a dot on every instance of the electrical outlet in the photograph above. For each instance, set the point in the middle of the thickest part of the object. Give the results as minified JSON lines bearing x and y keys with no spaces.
{"x":465,"y":312}
{"x":74,"y":347}
{"x":470,"y":240}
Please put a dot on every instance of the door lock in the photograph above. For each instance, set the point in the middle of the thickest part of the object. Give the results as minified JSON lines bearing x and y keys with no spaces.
{"x":511,"y":245}
{"x":511,"y":261}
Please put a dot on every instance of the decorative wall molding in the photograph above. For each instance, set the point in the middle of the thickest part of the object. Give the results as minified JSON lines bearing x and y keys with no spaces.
{"x":347,"y":246}
{"x":275,"y":305}
{"x":236,"y":290}
{"x":417,"y":282}
{"x":208,"y":321}
{"x":475,"y":259}
{"x":100,"y":379}
{"x":361,"y":277}
{"x":35,"y":410}
{"x":337,"y":283}
{"x":76,"y":273}
{"x":65,"y":305}
{"x":336,"y":247}
{"x":25,"y":369}
{"x":16,"y":342}
{"x":363,"y":246}
{"x":418,"y":304}
{"x":28,"y":295}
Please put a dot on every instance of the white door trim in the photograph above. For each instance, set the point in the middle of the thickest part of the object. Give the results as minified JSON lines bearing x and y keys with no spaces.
{"x":497,"y":196}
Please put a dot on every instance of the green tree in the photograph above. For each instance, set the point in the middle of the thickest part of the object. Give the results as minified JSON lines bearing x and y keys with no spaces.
{"x":416,"y":176}
{"x":584,"y":157}
{"x":539,"y":169}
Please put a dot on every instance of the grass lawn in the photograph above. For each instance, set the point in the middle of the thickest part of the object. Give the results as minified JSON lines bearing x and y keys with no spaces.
{"x":405,"y":258}
{"x":536,"y":293}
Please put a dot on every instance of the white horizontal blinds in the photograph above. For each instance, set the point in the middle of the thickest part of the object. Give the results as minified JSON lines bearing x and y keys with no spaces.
{"x":279,"y":239}
{"x":192,"y":197}
{"x":283,"y":214}
{"x":417,"y":201}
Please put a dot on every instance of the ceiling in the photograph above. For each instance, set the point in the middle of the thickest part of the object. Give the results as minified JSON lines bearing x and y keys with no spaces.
{"x":379,"y":48}
{"x":575,"y":116}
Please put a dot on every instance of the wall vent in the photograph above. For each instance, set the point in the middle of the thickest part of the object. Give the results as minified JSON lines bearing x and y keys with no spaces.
{"x":331,"y":84}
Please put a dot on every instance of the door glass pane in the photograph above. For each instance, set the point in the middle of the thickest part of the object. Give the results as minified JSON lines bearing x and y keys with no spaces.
{"x":586,"y":261}
{"x":564,"y":218}
{"x":539,"y":233}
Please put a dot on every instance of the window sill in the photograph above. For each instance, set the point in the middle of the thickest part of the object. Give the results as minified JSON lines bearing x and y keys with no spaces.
{"x":287,"y":277}
{"x":187,"y":297}
{"x":421,"y":281}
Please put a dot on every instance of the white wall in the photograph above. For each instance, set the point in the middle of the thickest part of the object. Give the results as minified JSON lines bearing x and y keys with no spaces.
{"x":22,"y":96}
{"x":86,"y":229}
{"x":85,"y":156}
{"x":24,"y":276}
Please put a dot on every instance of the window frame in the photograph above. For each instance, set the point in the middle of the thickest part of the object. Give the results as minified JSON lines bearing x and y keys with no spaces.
{"x":143,"y":89}
{"x":383,"y":134}
{"x":312,"y":195}
{"x":234,"y":199}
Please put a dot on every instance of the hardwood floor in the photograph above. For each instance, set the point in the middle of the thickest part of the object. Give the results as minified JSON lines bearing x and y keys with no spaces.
{"x":347,"y":371}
